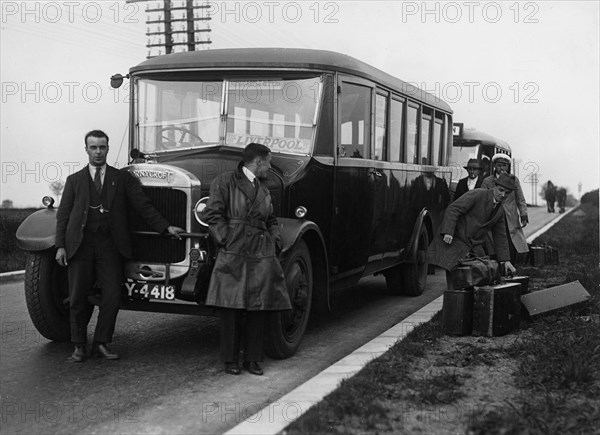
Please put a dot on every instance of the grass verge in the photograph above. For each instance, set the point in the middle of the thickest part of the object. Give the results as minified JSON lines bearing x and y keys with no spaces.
{"x":556,"y":363}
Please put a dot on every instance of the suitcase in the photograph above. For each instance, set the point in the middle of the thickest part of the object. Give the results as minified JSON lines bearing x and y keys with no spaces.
{"x":523,"y":280}
{"x":457,"y":312}
{"x":496,"y":309}
{"x":475,"y":271}
{"x":555,"y":298}
{"x":550,"y":255}
{"x":536,"y":256}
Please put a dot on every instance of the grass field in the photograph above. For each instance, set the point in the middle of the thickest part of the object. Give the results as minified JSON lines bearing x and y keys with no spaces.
{"x":554,"y":365}
{"x":11,"y":257}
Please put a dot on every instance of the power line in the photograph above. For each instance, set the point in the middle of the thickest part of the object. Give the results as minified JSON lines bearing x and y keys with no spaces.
{"x":176,"y":26}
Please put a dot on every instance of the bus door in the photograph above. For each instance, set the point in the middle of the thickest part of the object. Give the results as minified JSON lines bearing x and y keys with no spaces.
{"x":357,"y":182}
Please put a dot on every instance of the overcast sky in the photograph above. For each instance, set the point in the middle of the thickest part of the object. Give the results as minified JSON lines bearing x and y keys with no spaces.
{"x":525,"y":72}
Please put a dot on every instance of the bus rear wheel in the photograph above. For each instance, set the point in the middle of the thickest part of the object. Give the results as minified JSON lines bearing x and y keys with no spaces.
{"x":414,"y":275}
{"x":410,"y":278}
{"x":286,"y":328}
{"x":47,"y":295}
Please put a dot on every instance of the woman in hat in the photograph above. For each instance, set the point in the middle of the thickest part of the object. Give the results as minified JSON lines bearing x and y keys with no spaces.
{"x":470,"y":182}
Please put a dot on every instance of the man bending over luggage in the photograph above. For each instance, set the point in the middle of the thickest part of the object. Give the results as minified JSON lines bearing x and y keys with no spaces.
{"x":467,"y":222}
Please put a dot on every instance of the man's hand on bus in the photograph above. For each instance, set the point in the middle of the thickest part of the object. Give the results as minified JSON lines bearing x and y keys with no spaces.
{"x":524,"y":220}
{"x":448,"y":238}
{"x":174,"y":231}
{"x":61,"y":256}
{"x":509,"y":269}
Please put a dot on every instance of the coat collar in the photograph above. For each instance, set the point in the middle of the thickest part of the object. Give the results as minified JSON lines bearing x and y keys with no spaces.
{"x":248,"y":188}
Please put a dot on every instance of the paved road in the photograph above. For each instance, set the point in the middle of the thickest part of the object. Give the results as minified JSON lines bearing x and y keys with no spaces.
{"x":169,"y":379}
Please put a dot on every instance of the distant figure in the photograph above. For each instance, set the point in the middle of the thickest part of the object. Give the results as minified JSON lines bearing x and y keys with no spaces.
{"x":470,"y":182}
{"x":515,"y":207}
{"x":550,"y":196}
{"x":561,"y":198}
{"x":485,"y":166}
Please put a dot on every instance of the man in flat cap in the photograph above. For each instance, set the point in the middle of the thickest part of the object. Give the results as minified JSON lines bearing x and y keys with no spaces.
{"x":470,"y":182}
{"x":515,"y":206}
{"x":467,"y":222}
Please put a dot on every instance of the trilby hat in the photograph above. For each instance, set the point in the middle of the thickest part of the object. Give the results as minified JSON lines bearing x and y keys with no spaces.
{"x":505,"y":180}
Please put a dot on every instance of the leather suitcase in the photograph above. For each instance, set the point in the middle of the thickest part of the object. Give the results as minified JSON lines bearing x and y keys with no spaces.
{"x":523,"y":280}
{"x":555,"y":298}
{"x":496,"y":309}
{"x":536,"y":256}
{"x":457,"y":312}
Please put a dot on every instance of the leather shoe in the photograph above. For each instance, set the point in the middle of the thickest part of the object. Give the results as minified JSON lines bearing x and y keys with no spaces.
{"x":232,"y":368}
{"x":102,"y":351}
{"x":253,"y":367}
{"x":79,"y":354}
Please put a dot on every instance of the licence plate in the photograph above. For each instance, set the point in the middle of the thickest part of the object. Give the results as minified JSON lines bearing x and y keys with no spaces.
{"x":147,"y":291}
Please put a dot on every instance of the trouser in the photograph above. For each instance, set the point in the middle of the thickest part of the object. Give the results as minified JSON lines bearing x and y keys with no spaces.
{"x":234,"y":331}
{"x":96,"y":260}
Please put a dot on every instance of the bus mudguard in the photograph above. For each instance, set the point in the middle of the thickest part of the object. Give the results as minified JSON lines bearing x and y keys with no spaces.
{"x":423,"y":220}
{"x":38,"y":231}
{"x":292,"y":230}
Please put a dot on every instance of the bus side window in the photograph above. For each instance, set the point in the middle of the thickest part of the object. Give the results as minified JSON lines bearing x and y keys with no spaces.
{"x":412,"y":137}
{"x":355,"y":120}
{"x":379,"y":147}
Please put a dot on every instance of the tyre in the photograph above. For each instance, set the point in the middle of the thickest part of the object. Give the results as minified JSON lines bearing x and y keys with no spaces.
{"x":47,"y":295}
{"x":414,"y":275}
{"x":285,"y":329}
{"x":410,"y":278}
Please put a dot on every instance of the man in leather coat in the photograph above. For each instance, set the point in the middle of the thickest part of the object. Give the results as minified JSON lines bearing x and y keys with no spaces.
{"x":247,"y":279}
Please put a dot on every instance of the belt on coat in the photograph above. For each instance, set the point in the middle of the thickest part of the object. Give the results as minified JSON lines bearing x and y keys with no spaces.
{"x":256,"y":223}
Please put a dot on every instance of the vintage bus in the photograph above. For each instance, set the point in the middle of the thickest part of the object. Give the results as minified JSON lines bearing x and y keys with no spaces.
{"x":359,"y":180}
{"x":469,"y":143}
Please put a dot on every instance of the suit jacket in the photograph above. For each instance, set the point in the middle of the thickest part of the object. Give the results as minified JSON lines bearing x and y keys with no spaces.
{"x":468,"y":220}
{"x":514,"y":206}
{"x":123,"y":191}
{"x":462,"y":188}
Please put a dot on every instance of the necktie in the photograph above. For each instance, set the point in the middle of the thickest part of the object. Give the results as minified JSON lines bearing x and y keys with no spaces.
{"x":98,"y":180}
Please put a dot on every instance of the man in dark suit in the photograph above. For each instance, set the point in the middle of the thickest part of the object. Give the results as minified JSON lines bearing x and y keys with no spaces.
{"x":92,"y":237}
{"x":470,"y":182}
{"x":466,"y":225}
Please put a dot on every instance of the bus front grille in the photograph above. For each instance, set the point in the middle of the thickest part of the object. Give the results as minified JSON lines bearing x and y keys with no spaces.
{"x":172,"y":205}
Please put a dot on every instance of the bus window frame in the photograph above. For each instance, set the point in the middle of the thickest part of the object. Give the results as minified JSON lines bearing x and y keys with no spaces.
{"x":343,"y":79}
{"x":401,"y":154}
{"x":418,"y":106}
{"x":427,"y":114}
{"x":386,"y":132}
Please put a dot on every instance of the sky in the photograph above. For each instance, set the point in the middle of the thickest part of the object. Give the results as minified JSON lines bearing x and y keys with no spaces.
{"x":524,"y":72}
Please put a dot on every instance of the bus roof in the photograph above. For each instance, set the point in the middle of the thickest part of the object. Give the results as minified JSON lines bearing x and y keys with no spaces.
{"x":472,"y":137}
{"x":285,"y":58}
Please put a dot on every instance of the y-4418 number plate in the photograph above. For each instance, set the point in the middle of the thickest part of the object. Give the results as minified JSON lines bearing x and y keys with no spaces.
{"x":144,"y":290}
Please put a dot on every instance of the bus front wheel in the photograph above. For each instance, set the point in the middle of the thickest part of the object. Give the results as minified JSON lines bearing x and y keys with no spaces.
{"x":286,"y":328}
{"x":47,"y":295}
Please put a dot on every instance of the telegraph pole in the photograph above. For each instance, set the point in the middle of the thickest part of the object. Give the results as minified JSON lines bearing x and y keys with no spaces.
{"x":179,"y":24}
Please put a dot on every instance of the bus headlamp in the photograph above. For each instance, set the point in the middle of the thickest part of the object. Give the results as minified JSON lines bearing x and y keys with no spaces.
{"x":300,"y":212}
{"x":199,"y":208}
